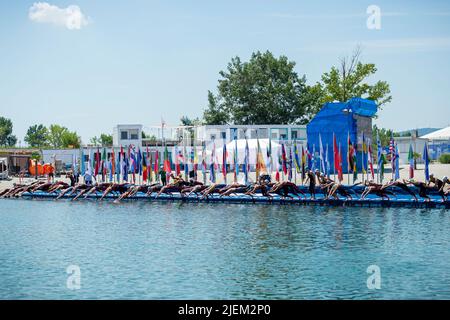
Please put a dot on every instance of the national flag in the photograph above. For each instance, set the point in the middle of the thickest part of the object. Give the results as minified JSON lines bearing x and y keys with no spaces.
{"x":321,"y":155}
{"x":335,"y":154}
{"x":411,"y":161}
{"x":144,"y":168}
{"x":149,"y":165}
{"x":296,"y":158}
{"x":426,"y":159}
{"x":167,"y":167}
{"x":236,"y":160}
{"x":212,"y":173}
{"x":82,"y":163}
{"x":340,"y":171}
{"x":156,"y":167}
{"x":303,"y":163}
{"x":260,"y":164}
{"x":381,"y":163}
{"x":269,"y":154}
{"x":177,"y":157}
{"x":204,"y":165}
{"x":113,"y":164}
{"x":291,"y":162}
{"x":283,"y":158}
{"x":97,"y":162}
{"x":397,"y":169}
{"x":370,"y":161}
{"x":327,"y":162}
{"x":186,"y":163}
{"x":224,"y":161}
{"x":246,"y":161}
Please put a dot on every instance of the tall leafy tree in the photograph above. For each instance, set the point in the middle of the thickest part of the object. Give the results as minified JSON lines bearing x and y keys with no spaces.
{"x":349,"y":79}
{"x":70,"y":139}
{"x":55,"y":135}
{"x":265,"y":89}
{"x":106,"y":140}
{"x":37,"y":136}
{"x":6,"y":137}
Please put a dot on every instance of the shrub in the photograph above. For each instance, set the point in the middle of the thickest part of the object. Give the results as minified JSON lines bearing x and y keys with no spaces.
{"x":444,"y":158}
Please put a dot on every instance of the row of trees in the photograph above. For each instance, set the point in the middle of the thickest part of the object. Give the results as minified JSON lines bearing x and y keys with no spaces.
{"x":55,"y":136}
{"x":266,"y":89}
{"x":7,"y":139}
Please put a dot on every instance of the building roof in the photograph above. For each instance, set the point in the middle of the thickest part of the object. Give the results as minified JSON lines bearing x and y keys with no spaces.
{"x":443,"y":134}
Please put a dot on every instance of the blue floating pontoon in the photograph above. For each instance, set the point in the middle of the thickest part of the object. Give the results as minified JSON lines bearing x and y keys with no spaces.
{"x":401,"y":200}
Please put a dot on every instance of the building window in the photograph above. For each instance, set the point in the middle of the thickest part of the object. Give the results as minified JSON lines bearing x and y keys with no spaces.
{"x":124,"y":135}
{"x":134,"y":134}
{"x":223,"y":135}
{"x":294,"y":135}
{"x":213,"y":137}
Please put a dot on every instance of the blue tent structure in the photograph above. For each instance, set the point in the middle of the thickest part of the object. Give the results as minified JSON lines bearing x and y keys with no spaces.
{"x":353,"y":118}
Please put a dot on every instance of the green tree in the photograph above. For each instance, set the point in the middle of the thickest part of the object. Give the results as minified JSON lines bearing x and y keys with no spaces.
{"x":95,"y":141}
{"x":55,"y":135}
{"x":106,"y":140}
{"x":70,"y":139}
{"x":6,"y":137}
{"x":37,"y":136}
{"x":214,"y":114}
{"x":349,"y":80}
{"x":263,"y":90}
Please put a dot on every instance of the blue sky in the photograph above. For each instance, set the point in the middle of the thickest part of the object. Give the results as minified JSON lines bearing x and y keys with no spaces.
{"x":137,"y":61}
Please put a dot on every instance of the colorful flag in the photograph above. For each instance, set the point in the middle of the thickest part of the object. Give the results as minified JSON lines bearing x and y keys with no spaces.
{"x":113,"y":164}
{"x":335,"y":154}
{"x":82,"y":163}
{"x":340,"y":171}
{"x":167,"y":167}
{"x":149,"y":165}
{"x":364,"y":153}
{"x":260,"y":164}
{"x":156,"y":167}
{"x":144,"y":169}
{"x":370,"y":161}
{"x":224,"y":161}
{"x":303,"y":163}
{"x":212,"y":173}
{"x":296,"y":158}
{"x":283,"y":158}
{"x":321,"y":155}
{"x":269,"y":154}
{"x":327,"y":162}
{"x":204,"y":165}
{"x":381,"y":163}
{"x":397,"y":169}
{"x":178,"y":156}
{"x":236,"y":160}
{"x":426,"y":159}
{"x":246,"y":161}
{"x":291,"y":162}
{"x":411,"y":161}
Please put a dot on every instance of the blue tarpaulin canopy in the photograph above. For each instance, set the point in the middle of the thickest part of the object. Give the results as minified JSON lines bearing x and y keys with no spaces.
{"x":340,"y":119}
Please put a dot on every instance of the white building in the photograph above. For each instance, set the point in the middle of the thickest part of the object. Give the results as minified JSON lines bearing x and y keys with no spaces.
{"x":220,"y":133}
{"x":127,"y":134}
{"x":439,"y":142}
{"x":403,"y":143}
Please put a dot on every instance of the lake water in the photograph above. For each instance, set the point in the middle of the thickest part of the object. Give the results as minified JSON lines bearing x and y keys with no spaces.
{"x":157,"y":250}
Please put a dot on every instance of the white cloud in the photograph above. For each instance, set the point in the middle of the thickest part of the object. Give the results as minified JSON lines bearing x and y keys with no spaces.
{"x":71,"y":17}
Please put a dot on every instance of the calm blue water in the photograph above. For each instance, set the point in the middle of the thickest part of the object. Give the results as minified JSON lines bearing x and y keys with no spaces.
{"x":143,"y":250}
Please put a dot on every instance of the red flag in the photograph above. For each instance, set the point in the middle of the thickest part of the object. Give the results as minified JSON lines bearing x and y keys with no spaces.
{"x":340,"y":173}
{"x":336,"y":154}
{"x":97,"y":162}
{"x":156,"y":167}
